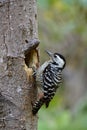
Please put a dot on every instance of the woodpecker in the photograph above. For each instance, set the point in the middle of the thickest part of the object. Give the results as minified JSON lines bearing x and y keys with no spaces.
{"x":48,"y":77}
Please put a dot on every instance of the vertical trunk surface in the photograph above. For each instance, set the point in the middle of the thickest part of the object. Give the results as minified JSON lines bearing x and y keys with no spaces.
{"x":18,"y":53}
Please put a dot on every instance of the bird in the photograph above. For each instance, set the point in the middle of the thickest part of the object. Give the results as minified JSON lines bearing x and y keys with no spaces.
{"x":48,"y":77}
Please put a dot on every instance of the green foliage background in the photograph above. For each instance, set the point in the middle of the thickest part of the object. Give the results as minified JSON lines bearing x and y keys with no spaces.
{"x":58,"y":19}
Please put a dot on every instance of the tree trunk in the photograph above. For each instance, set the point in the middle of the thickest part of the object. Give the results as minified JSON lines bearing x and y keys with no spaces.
{"x":18,"y":54}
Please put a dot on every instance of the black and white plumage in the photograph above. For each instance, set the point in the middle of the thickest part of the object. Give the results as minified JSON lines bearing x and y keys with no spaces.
{"x":48,"y":77}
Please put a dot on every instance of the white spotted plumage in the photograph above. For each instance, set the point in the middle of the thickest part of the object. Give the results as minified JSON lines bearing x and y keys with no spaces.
{"x":48,"y":77}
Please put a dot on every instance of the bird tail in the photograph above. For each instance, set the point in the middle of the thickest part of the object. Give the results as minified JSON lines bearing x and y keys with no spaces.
{"x":37,"y":106}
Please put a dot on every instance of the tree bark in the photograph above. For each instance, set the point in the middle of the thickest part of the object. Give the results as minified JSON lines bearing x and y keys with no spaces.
{"x":18,"y":54}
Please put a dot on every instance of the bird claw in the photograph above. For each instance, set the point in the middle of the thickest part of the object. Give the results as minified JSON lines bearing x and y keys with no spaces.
{"x":34,"y":72}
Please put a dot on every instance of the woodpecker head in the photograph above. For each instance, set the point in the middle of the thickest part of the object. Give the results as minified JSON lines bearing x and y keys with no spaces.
{"x":58,"y":59}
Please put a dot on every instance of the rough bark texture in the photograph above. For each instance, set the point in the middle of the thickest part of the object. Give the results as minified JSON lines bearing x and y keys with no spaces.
{"x":18,"y":43}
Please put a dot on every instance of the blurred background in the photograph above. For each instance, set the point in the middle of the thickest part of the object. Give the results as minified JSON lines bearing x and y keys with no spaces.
{"x":63,"y":29}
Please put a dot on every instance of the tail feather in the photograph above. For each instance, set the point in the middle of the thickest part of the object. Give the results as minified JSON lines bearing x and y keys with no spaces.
{"x":47,"y":103}
{"x":37,"y":106}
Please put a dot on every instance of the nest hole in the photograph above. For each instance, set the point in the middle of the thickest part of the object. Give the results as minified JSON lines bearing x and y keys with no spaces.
{"x":31,"y":59}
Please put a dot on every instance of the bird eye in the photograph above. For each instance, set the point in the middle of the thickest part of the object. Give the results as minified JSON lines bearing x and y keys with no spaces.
{"x":55,"y":56}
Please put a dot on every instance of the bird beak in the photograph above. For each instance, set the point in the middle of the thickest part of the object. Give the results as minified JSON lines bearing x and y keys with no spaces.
{"x":49,"y":53}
